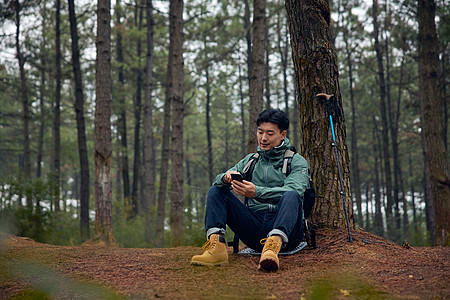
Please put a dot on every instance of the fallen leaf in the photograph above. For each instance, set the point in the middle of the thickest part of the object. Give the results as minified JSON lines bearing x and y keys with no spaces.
{"x":344,"y":292}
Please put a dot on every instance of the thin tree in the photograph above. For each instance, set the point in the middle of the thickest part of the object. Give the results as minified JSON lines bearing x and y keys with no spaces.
{"x":257,"y":70}
{"x":135,"y":203}
{"x":122,"y":120}
{"x":81,"y":126}
{"x":175,"y":86}
{"x":316,"y":72}
{"x":42,"y":85}
{"x":356,"y":184}
{"x":26,"y":116}
{"x":102,"y":122}
{"x":436,"y":165}
{"x":384,"y":115}
{"x":149,"y":149}
{"x":56,"y":170}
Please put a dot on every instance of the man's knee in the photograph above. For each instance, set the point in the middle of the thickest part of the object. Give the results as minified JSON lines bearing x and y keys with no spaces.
{"x":291,"y":196}
{"x":216,"y":193}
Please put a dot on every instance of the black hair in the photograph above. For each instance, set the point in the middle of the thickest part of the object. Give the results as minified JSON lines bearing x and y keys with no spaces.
{"x":276,"y":116}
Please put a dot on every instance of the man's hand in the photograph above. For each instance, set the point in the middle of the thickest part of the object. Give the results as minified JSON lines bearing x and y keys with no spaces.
{"x":227,"y":176}
{"x":244,"y":188}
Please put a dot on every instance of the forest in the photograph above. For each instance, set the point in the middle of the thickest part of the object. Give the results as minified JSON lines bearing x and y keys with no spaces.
{"x":116,"y":117}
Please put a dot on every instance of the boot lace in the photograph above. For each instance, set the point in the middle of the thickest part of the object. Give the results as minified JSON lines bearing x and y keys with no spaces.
{"x":270,"y":244}
{"x":208,"y":245}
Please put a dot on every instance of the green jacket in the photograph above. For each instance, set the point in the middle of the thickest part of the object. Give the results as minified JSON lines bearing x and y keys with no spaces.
{"x":269,"y":179}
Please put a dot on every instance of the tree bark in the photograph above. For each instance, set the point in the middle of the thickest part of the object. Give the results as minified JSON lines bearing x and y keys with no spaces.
{"x":149,"y":149}
{"x":257,"y":70}
{"x":436,"y":165}
{"x":102,"y":122}
{"x":175,"y":85}
{"x":316,"y":72}
{"x":81,"y":127}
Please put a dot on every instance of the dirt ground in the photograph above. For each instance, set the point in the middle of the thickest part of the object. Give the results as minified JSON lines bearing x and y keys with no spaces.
{"x":368,"y":268}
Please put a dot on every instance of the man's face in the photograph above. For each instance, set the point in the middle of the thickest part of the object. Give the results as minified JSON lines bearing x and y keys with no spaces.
{"x":269,"y":135}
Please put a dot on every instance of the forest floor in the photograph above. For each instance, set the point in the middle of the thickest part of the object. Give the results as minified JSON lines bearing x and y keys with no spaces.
{"x":369,"y":268}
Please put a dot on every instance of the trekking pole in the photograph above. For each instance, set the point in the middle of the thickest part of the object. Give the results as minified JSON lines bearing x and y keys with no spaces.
{"x":328,"y":98}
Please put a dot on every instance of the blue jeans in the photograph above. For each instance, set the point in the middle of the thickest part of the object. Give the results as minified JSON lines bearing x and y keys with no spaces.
{"x":224,"y":208}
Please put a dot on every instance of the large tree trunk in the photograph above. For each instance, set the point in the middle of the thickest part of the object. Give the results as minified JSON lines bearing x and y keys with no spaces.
{"x":316,"y":72}
{"x":81,"y":127}
{"x":383,"y":112}
{"x":103,"y":147}
{"x":176,"y":86}
{"x":257,"y":70}
{"x":56,"y":170}
{"x":149,"y":149}
{"x":122,"y":120}
{"x":26,"y":117}
{"x":436,"y":165}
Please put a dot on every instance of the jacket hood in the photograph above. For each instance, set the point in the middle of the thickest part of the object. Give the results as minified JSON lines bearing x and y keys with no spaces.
{"x":275,"y":152}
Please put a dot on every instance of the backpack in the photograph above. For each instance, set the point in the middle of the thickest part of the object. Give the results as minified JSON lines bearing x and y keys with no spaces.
{"x":309,"y":197}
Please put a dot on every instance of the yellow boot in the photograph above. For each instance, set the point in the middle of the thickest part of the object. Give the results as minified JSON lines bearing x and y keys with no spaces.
{"x":269,"y":255}
{"x":215,"y":252}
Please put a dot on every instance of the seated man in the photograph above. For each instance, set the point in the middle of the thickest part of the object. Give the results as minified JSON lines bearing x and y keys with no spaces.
{"x":273,"y":214}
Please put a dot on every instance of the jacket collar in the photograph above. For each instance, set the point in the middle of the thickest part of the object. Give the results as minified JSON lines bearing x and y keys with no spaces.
{"x":275,"y":152}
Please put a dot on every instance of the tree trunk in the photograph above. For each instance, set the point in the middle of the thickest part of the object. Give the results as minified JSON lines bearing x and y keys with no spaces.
{"x":26,"y":117}
{"x":257,"y":70}
{"x":135,"y":203}
{"x":248,"y":38}
{"x":356,"y":183}
{"x":283,"y":51}
{"x":81,"y":127}
{"x":56,"y":170}
{"x":378,"y":227}
{"x":42,"y":116}
{"x":102,"y":122}
{"x":383,"y":112}
{"x":165,"y":153}
{"x":149,"y":148}
{"x":176,"y":86}
{"x":436,"y":165}
{"x":122,"y":119}
{"x":208,"y":117}
{"x":267,"y":68}
{"x":295,"y":122}
{"x":316,"y":72}
{"x":241,"y":95}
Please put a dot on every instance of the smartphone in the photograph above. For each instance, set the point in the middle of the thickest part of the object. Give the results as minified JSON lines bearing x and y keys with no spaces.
{"x":236,"y":176}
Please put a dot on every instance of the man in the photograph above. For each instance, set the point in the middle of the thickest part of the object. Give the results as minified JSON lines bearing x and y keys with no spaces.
{"x":273,"y":214}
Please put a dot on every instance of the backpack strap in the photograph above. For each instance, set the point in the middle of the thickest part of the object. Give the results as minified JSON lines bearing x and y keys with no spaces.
{"x":288,"y":155}
{"x":250,"y":166}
